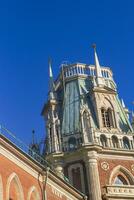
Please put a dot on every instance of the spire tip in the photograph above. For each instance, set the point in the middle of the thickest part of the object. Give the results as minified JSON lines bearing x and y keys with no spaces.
{"x":94,"y":46}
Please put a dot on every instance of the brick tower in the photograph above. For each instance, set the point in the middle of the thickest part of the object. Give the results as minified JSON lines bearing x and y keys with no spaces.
{"x":89,"y":135}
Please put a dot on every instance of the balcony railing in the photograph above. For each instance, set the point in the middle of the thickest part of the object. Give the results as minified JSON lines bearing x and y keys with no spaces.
{"x":82,"y":69}
{"x":27,"y":150}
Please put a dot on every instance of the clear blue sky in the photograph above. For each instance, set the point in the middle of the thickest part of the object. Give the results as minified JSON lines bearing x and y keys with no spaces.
{"x":31,"y":31}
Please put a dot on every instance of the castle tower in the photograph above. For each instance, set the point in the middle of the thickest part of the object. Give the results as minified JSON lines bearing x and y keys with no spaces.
{"x":89,"y":136}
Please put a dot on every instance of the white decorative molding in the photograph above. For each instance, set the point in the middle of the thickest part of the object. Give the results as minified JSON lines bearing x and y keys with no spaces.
{"x":132,"y":167}
{"x":14,"y":177}
{"x":120,"y":191}
{"x":125,"y":171}
{"x":105,"y":166}
{"x":19,"y":162}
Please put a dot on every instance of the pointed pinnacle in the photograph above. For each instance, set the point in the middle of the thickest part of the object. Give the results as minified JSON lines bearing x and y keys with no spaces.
{"x":50,"y":67}
{"x":94,"y":46}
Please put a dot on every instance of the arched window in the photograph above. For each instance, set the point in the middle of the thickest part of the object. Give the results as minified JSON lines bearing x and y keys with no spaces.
{"x":121,"y":176}
{"x":72,"y":143}
{"x":103,"y":140}
{"x":126,"y":143}
{"x":107,"y":117}
{"x":120,"y":180}
{"x":115,"y":142}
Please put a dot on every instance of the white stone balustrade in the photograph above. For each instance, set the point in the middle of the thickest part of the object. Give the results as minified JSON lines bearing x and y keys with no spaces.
{"x":87,"y":70}
{"x":120,"y":190}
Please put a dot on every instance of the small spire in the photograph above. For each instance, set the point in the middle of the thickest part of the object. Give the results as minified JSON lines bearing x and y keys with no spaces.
{"x":50,"y":68}
{"x":97,"y":67}
{"x":51,"y":81}
{"x":33,"y":136}
{"x":123,"y":104}
{"x":97,"y":64}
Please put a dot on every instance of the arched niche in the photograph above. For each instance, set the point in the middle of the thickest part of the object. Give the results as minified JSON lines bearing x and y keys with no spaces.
{"x":103,"y":140}
{"x":33,"y":194}
{"x":126,"y":143}
{"x":14,"y":188}
{"x":86,"y":123}
{"x":115,"y":141}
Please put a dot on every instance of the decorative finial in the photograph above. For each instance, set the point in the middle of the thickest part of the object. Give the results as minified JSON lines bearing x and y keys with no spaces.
{"x":99,"y":77}
{"x":33,"y":134}
{"x":123,"y":104}
{"x":50,"y":67}
{"x":94,"y":46}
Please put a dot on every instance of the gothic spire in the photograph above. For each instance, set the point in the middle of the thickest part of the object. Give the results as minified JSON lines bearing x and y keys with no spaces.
{"x":99,"y":76}
{"x":51,"y":81}
{"x":123,"y":104}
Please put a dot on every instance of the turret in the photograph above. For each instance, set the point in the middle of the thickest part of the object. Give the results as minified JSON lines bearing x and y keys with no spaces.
{"x":53,"y":139}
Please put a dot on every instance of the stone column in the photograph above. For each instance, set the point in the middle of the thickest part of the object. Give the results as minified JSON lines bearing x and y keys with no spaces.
{"x":121,"y":143}
{"x":109,"y":143}
{"x":93,"y":176}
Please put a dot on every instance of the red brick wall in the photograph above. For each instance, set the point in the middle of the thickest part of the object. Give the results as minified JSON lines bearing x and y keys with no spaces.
{"x":8,"y":167}
{"x":13,"y":192}
{"x":105,"y":175}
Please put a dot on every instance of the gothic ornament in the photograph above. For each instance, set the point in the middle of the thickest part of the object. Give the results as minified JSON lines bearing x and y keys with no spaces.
{"x":105,"y":166}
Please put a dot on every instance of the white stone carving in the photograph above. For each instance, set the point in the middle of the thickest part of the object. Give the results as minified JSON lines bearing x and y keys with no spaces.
{"x":105,"y":166}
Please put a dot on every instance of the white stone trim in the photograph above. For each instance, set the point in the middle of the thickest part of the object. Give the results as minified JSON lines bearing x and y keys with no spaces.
{"x":116,"y":157}
{"x":13,"y":158}
{"x":122,"y":169}
{"x":14,"y":177}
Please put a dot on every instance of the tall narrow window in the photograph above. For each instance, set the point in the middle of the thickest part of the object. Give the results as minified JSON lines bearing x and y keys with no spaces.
{"x":107,"y":117}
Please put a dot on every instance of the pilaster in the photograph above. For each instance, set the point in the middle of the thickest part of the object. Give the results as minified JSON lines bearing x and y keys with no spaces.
{"x":93,"y":176}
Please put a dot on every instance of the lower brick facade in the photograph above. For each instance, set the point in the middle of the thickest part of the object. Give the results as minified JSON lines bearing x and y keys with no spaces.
{"x":22,"y":178}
